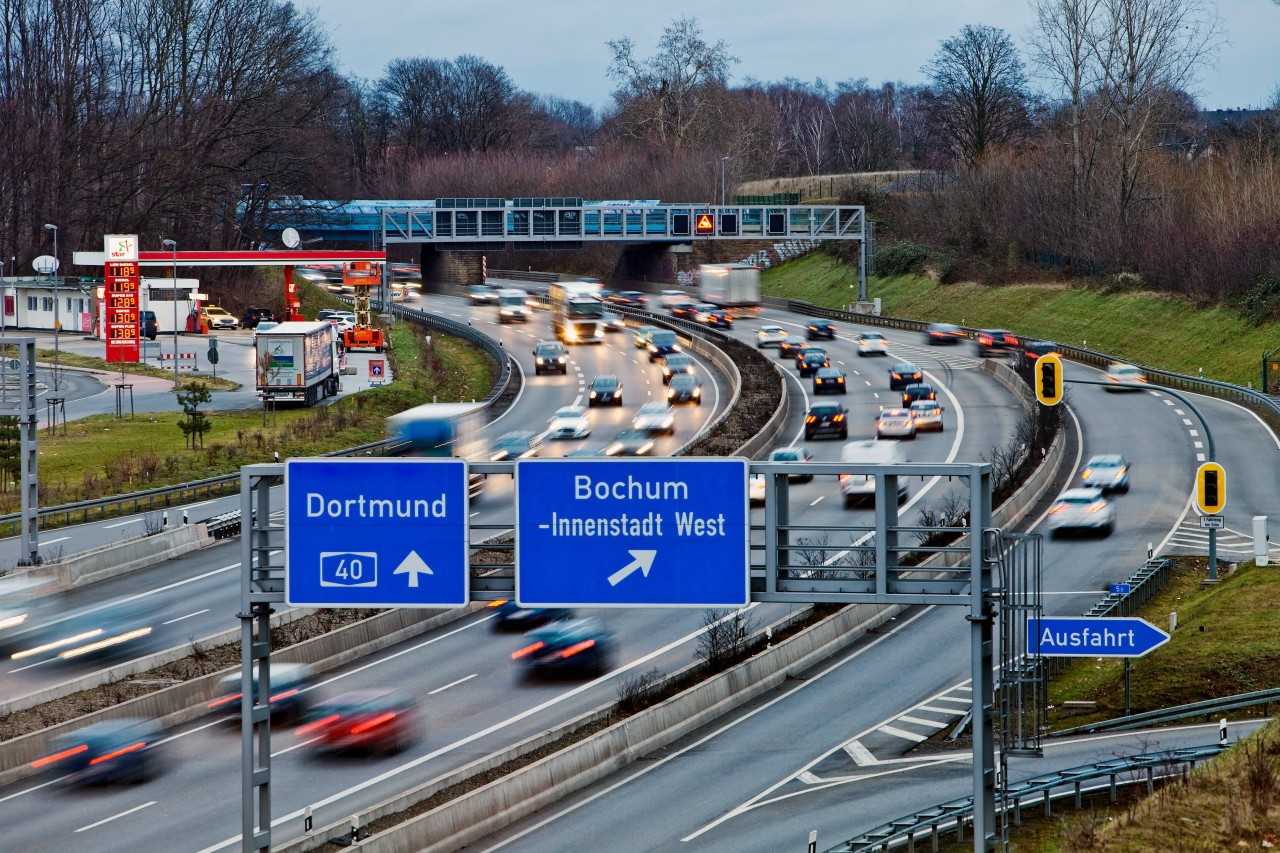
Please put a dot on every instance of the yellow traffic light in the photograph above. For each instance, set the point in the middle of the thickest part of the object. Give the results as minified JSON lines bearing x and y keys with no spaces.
{"x":1048,"y":379}
{"x":1211,"y":488}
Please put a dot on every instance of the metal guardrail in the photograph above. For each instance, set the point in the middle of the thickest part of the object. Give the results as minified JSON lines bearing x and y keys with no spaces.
{"x":1046,"y":788}
{"x":1143,"y":585}
{"x":525,"y":275}
{"x":1207,"y":709}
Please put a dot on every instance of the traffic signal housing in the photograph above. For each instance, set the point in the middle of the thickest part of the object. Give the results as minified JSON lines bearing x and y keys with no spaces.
{"x":1048,"y":379}
{"x":1211,"y":488}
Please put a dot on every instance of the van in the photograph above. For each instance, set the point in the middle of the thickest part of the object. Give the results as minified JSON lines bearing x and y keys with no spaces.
{"x":859,"y":487}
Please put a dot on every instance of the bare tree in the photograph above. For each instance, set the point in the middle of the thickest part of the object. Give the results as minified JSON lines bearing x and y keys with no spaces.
{"x":979,"y":89}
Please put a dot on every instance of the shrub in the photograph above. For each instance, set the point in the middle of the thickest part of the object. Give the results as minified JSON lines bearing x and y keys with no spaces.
{"x":1262,"y":302}
{"x":902,"y":257}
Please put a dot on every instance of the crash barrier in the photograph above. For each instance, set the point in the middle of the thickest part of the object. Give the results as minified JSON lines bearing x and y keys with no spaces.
{"x":1208,"y":708}
{"x":119,"y":558}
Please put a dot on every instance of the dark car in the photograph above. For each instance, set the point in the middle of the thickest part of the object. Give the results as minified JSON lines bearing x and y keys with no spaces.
{"x":576,"y":646}
{"x":366,"y":721}
{"x":995,"y":342}
{"x":717,"y":318}
{"x":1032,"y":350}
{"x":919,"y":391}
{"x":787,"y":349}
{"x":550,"y":357}
{"x":675,"y":364}
{"x":605,"y":391}
{"x":632,"y":442}
{"x":630,"y":298}
{"x":829,"y":380}
{"x":820,"y":329}
{"x":685,"y":310}
{"x":812,"y":362}
{"x":509,"y":616}
{"x":249,"y":319}
{"x":290,"y":692}
{"x":104,"y":753}
{"x":514,"y":445}
{"x":826,"y":420}
{"x":148,"y":326}
{"x":663,"y":343}
{"x":903,"y":374}
{"x":943,"y":333}
{"x":326,"y":313}
{"x":799,"y":352}
{"x":685,"y":388}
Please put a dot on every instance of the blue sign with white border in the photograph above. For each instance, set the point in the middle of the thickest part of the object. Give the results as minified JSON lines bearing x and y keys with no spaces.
{"x":632,"y":533}
{"x":376,"y":533}
{"x":1121,"y":589}
{"x":1085,"y":637}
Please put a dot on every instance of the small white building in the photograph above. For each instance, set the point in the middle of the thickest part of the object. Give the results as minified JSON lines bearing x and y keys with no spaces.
{"x":40,"y":303}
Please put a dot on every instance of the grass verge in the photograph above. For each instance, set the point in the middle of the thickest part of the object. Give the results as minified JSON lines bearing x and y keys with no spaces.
{"x":71,"y":359}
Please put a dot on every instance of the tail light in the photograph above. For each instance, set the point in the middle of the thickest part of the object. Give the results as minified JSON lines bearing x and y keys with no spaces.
{"x":293,"y":691}
{"x":809,"y":419}
{"x":1099,"y":506}
{"x":124,"y":750}
{"x":225,"y":700}
{"x":576,"y":648}
{"x":1057,"y":508}
{"x":316,"y":725}
{"x":837,"y":419}
{"x":58,"y":756}
{"x":373,"y":723}
{"x":527,"y":650}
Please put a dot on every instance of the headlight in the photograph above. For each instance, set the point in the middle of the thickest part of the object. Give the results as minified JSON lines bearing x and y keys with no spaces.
{"x":697,"y":392}
{"x":541,"y":360}
{"x":560,"y":360}
{"x":593,"y":395}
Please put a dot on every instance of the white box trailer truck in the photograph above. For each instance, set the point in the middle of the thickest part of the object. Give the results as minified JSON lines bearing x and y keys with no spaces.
{"x":577,"y":311}
{"x":729,"y":285}
{"x":297,"y":362}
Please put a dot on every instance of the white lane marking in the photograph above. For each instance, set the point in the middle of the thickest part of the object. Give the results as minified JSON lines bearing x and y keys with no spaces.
{"x":1186,"y":421}
{"x":1200,"y":457}
{"x":202,"y":503}
{"x":911,"y":736}
{"x":188,"y":616}
{"x":31,"y":789}
{"x":817,"y":499}
{"x":932,"y":709}
{"x":119,"y":524}
{"x":1198,"y":444}
{"x":32,"y":665}
{"x":933,"y":724}
{"x":964,"y":702}
{"x":810,"y":779}
{"x":963,"y":688}
{"x":52,"y":541}
{"x":451,"y":684}
{"x":860,"y":754}
{"x":114,"y":817}
{"x":1193,"y":434}
{"x":1179,"y":412}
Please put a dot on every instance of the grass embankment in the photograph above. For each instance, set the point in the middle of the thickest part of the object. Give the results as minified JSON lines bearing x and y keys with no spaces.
{"x":71,"y":359}
{"x":1145,"y":328}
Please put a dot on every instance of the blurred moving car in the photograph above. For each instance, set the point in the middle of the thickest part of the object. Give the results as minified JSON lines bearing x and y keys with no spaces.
{"x":1082,"y":509}
{"x":655,"y":418}
{"x":482,"y":294}
{"x":684,"y":388}
{"x":859,"y":487}
{"x":1108,"y":472}
{"x":787,"y":348}
{"x":291,"y":684}
{"x":630,"y":299}
{"x":716,"y":318}
{"x":514,"y":445}
{"x":895,"y":423}
{"x":1032,"y":350}
{"x":570,"y":422}
{"x":943,"y":333}
{"x":642,"y":336}
{"x":605,"y":390}
{"x":813,"y":361}
{"x":676,"y":364}
{"x":903,"y":374}
{"x":829,"y":380}
{"x":1125,"y":377}
{"x":826,"y":420}
{"x":997,"y":342}
{"x":111,"y":751}
{"x":148,"y":325}
{"x":614,"y":322}
{"x":369,"y":721}
{"x":630,"y":443}
{"x":509,"y":616}
{"x":575,"y":646}
{"x":755,"y":490}
{"x":927,"y":414}
{"x":817,"y":329}
{"x":770,"y":336}
{"x":663,"y":343}
{"x":325,"y":314}
{"x":873,"y":343}
{"x":793,"y":454}
{"x":685,"y":310}
{"x":549,"y":357}
{"x":919,"y":391}
{"x":672,"y":297}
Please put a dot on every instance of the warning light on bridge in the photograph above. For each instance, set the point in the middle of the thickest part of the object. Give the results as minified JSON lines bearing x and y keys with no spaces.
{"x":705,"y":225}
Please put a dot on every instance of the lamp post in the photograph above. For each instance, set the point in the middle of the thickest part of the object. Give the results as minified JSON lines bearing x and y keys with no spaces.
{"x":57,"y":324}
{"x":173,"y":244}
{"x":723,"y":160}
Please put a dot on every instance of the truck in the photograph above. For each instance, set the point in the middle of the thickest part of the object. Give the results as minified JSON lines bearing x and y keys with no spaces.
{"x":729,"y":285}
{"x":513,"y":305}
{"x":440,"y":430}
{"x":577,"y":312}
{"x":297,"y":362}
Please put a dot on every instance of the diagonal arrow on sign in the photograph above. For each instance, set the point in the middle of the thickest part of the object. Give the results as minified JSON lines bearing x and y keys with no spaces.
{"x":412,"y":566}
{"x":643,"y":560}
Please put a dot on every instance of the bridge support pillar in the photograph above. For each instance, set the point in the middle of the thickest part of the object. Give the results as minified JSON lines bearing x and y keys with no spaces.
{"x":442,"y":268}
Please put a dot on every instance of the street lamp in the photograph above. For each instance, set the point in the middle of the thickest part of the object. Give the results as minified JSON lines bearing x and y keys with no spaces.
{"x":722,"y":187}
{"x":173,"y":244}
{"x":57,"y":325}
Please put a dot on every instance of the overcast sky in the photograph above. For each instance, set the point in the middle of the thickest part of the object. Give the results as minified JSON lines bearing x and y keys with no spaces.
{"x":557,"y":47}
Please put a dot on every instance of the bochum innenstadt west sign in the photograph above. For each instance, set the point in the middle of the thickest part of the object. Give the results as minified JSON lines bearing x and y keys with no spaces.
{"x":631,"y":533}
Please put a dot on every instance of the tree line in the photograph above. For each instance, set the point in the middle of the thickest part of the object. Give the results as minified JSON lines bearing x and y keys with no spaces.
{"x":1079,"y":151}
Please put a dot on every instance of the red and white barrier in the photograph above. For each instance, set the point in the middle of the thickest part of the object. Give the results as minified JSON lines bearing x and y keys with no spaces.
{"x":186,"y":360}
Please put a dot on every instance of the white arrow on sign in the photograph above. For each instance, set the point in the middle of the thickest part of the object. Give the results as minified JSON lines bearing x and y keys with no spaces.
{"x":412,"y":566}
{"x":643,"y":560}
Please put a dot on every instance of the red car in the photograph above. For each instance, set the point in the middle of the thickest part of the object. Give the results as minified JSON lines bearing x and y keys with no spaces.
{"x":371,"y":721}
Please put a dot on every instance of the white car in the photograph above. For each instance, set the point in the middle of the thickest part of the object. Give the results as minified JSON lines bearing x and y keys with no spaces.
{"x":672,"y":297}
{"x":927,"y":415}
{"x":1082,"y":509}
{"x":614,"y":322}
{"x":1125,"y":377}
{"x":1107,"y":471}
{"x":872,"y":343}
{"x":655,"y":417}
{"x":770,"y":336}
{"x":219,"y":318}
{"x":895,"y":423}
{"x":570,"y":422}
{"x":340,"y":324}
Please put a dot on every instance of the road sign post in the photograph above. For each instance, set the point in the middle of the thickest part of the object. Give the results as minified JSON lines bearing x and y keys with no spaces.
{"x":376,"y":533}
{"x":624,"y":533}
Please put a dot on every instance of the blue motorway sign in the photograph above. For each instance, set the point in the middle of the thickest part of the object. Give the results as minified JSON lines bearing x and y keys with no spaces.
{"x":1121,"y":589}
{"x":376,"y":533}
{"x":1084,"y":637}
{"x":628,"y":533}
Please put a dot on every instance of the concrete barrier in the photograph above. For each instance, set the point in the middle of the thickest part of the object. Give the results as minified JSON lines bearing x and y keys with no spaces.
{"x":762,"y":440}
{"x":120,"y":558}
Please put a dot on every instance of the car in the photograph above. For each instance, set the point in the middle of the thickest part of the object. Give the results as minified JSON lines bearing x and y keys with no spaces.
{"x":325,"y":314}
{"x":643,"y":336}
{"x":770,"y":336}
{"x":104,"y":753}
{"x":550,"y":357}
{"x":514,"y":445}
{"x":861,"y":487}
{"x":630,"y":443}
{"x":798,"y":353}
{"x":629,"y":299}
{"x":148,"y":325}
{"x":872,"y":343}
{"x":684,"y":388}
{"x":251,"y":316}
{"x":943,"y":333}
{"x":655,"y":418}
{"x":663,"y":343}
{"x":605,"y":390}
{"x":716,"y":318}
{"x":829,"y":380}
{"x":291,"y":696}
{"x":685,"y":310}
{"x":672,"y":297}
{"x":218,"y":318}
{"x":382,"y":722}
{"x":1032,"y":350}
{"x":816,"y":329}
{"x":927,"y":415}
{"x":895,"y":423}
{"x":826,"y":420}
{"x":996,"y":342}
{"x":919,"y":391}
{"x":539,"y":298}
{"x":1125,"y":377}
{"x":613,"y":322}
{"x":1082,"y":509}
{"x":793,"y":454}
{"x":787,"y":348}
{"x":1108,"y":472}
{"x":570,"y":422}
{"x":675,"y":364}
{"x":509,"y":616}
{"x":812,"y":361}
{"x":903,"y":374}
{"x":482,"y":294}
{"x":349,"y":316}
{"x":574,"y":646}
{"x":340,"y":324}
